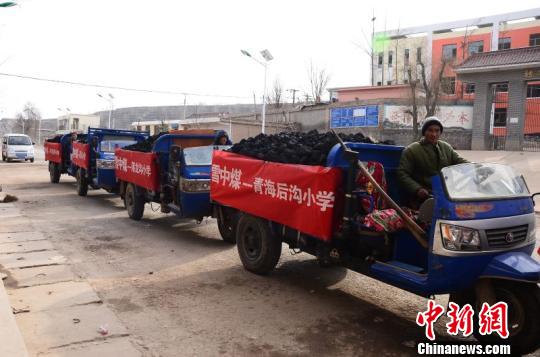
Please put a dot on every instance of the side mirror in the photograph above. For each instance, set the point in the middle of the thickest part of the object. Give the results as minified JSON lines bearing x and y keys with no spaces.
{"x":533,"y":195}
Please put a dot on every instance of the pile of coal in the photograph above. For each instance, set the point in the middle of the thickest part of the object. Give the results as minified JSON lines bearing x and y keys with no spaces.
{"x":145,"y":145}
{"x":309,"y":148}
{"x":55,"y":139}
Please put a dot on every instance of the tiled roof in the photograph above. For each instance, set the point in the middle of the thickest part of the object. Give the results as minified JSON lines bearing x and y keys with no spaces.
{"x":501,"y":58}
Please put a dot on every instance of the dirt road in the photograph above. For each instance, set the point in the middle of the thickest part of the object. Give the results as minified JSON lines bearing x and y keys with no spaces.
{"x":181,"y":291}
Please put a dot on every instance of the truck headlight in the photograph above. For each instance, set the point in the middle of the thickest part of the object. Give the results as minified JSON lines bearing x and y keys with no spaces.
{"x":195,"y":185}
{"x":459,"y":238}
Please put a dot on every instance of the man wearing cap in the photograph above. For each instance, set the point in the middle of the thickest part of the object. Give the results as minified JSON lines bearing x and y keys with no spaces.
{"x":423,"y":159}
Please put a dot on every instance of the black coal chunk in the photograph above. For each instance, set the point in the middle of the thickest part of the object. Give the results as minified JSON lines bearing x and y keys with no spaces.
{"x":145,"y":145}
{"x":309,"y":148}
{"x":55,"y":139}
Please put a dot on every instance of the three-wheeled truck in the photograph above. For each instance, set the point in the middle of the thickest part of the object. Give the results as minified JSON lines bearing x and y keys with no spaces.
{"x":58,"y":153}
{"x":175,"y":174}
{"x":473,"y":239}
{"x":92,"y":161}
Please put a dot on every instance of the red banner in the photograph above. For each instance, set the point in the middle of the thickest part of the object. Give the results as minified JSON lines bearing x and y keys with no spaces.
{"x":80,"y":155}
{"x":53,"y":152}
{"x":298,"y":196}
{"x":140,"y":168}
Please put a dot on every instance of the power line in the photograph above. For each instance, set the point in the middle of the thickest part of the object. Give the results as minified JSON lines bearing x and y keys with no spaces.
{"x":58,"y":81}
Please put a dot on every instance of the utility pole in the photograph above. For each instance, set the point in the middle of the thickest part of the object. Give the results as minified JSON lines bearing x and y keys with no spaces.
{"x":293,"y":94}
{"x":373,"y":48}
{"x":185,"y":99}
{"x":254,"y":106}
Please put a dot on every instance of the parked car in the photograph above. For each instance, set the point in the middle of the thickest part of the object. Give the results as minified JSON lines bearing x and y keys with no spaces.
{"x":17,"y":147}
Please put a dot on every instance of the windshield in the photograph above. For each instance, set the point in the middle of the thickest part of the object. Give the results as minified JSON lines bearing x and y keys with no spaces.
{"x":201,"y":155}
{"x":110,"y":143}
{"x":19,"y":140}
{"x":483,"y":181}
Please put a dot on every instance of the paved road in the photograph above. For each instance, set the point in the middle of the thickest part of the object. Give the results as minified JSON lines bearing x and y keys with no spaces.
{"x":180,"y":290}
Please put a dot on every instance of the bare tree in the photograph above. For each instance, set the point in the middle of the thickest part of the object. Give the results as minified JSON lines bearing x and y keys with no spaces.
{"x":318,"y":80}
{"x":276,"y":95}
{"x":424,"y":92}
{"x":27,"y":120}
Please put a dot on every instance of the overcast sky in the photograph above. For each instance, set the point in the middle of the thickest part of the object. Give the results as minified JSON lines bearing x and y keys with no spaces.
{"x":194,"y":46}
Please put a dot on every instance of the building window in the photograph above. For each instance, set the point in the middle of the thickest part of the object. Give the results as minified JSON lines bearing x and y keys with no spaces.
{"x":449,"y":52}
{"x":406,"y":57}
{"x":448,"y":85}
{"x":390,"y":58}
{"x":533,"y":91}
{"x":389,"y":83}
{"x":501,"y":88}
{"x":380,"y":60}
{"x":405,"y":81}
{"x":469,"y":88}
{"x":476,"y":47}
{"x":379,"y":83}
{"x":505,"y":43}
{"x":75,"y":124}
{"x":419,"y":54}
{"x":534,"y":39}
{"x":499,"y":118}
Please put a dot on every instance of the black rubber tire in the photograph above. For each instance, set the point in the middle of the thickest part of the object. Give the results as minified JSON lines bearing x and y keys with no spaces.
{"x":258,"y":248}
{"x":54,"y":172}
{"x":227,"y":226}
{"x":523,"y":316}
{"x":82,"y":184}
{"x":32,"y":160}
{"x":134,"y":203}
{"x":3,"y":157}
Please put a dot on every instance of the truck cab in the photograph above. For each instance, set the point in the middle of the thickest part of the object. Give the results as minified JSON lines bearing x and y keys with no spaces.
{"x":93,"y":160}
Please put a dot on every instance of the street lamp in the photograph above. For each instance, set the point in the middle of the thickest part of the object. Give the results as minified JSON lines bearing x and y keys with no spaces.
{"x":110,"y":100}
{"x":267,"y":58}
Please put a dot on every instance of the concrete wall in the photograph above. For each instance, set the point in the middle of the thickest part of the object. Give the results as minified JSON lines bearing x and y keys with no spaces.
{"x":317,"y":117}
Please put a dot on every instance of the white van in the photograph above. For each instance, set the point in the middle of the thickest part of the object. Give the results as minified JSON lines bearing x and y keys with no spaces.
{"x":17,"y":147}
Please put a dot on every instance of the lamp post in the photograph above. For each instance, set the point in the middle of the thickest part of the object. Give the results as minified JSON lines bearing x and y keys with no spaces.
{"x":267,"y":58}
{"x":110,"y":100}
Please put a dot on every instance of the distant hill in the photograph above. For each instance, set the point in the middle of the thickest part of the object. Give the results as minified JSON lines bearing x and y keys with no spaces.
{"x":123,"y":117}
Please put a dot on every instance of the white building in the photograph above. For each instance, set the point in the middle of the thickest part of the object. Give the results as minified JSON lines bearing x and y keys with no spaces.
{"x":192,"y":122}
{"x":77,"y":122}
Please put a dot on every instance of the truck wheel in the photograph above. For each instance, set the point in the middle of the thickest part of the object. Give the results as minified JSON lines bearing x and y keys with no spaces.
{"x":258,"y":248}
{"x":523,"y":302}
{"x":82,"y":184}
{"x":54,"y":172}
{"x":134,"y":203}
{"x":226,"y":225}
{"x":3,"y":157}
